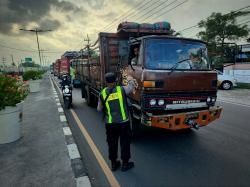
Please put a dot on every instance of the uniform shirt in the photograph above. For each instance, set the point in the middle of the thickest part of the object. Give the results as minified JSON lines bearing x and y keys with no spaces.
{"x":128,"y":89}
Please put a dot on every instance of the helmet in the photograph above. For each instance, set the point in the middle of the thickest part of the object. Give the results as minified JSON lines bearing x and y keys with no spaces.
{"x":110,"y":77}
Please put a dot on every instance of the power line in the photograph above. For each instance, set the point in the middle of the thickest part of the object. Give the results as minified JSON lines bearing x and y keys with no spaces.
{"x":246,"y":21}
{"x":126,"y":13}
{"x":225,"y":14}
{"x":27,"y":50}
{"x":164,"y":8}
{"x":150,"y":6}
{"x":153,"y":9}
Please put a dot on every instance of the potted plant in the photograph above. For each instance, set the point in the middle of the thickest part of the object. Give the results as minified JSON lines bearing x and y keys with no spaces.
{"x":12,"y":94}
{"x":33,"y":78}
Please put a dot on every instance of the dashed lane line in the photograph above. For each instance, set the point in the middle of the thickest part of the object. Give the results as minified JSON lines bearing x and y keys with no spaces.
{"x":67,"y":131}
{"x":60,"y":109}
{"x":63,"y":118}
{"x":73,"y":151}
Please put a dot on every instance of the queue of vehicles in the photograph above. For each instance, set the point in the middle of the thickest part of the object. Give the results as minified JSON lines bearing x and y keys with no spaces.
{"x":173,"y":91}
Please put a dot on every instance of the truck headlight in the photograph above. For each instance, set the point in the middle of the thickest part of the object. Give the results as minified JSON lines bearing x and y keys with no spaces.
{"x":213,"y":99}
{"x":209,"y":99}
{"x":152,"y":102}
{"x":161,"y":102}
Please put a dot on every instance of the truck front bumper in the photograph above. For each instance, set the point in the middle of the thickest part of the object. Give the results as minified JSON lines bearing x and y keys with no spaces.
{"x":178,"y":121}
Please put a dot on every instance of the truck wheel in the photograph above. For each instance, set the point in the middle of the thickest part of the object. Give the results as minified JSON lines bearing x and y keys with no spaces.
{"x":90,"y":98}
{"x":83,"y":91}
{"x":134,"y":125}
{"x":74,"y":85}
{"x":226,"y":85}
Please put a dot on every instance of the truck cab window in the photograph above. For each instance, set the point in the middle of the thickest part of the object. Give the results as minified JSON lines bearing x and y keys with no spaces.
{"x":135,"y":56}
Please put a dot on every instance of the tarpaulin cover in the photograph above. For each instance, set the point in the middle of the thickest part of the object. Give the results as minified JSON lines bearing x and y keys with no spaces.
{"x":164,"y":25}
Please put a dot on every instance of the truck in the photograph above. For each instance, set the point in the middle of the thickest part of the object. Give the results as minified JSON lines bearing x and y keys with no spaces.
{"x":64,"y":66}
{"x":77,"y":64}
{"x":176,"y":87}
{"x":56,"y":67}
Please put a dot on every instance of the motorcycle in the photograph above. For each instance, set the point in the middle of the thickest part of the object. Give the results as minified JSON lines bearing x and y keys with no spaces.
{"x":67,"y":95}
{"x":67,"y":91}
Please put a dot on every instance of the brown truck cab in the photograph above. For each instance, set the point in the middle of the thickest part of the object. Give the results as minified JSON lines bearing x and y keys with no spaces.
{"x":176,"y":88}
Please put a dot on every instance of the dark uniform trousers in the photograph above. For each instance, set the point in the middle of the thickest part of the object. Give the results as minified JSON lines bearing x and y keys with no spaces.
{"x":115,"y":131}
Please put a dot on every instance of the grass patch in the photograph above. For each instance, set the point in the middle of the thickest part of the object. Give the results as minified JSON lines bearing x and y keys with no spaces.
{"x":242,"y":86}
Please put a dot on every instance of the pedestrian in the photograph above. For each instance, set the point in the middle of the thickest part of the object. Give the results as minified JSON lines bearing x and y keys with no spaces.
{"x":113,"y":102}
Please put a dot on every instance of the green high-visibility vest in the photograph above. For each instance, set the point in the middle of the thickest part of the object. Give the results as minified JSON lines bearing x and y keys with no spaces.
{"x":115,"y":105}
{"x":72,"y":73}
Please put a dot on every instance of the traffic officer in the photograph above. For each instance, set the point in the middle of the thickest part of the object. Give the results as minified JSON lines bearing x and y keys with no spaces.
{"x":72,"y":73}
{"x":113,"y":103}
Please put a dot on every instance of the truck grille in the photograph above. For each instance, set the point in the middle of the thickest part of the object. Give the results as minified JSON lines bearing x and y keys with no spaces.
{"x":181,"y":101}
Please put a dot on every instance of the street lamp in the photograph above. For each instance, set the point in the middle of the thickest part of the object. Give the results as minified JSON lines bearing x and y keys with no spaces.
{"x":36,"y":31}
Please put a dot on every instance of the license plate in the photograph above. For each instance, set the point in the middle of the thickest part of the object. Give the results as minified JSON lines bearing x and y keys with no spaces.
{"x":193,"y":116}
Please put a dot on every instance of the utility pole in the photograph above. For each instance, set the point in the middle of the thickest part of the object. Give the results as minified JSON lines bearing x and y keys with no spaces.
{"x":4,"y":61}
{"x":88,"y":44}
{"x":12,"y":60}
{"x":37,"y":40}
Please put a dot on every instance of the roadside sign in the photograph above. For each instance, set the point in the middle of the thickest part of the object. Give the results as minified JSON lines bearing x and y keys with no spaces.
{"x":28,"y":59}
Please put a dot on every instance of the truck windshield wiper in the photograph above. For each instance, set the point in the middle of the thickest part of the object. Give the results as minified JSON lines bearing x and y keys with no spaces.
{"x":176,"y":64}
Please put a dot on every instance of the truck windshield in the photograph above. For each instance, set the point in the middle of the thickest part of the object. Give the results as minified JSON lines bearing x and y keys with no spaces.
{"x":167,"y":53}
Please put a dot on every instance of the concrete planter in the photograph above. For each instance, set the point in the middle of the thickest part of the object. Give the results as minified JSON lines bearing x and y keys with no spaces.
{"x":10,"y":123}
{"x":34,"y":85}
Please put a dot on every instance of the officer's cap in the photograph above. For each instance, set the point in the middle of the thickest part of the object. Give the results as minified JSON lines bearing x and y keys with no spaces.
{"x":110,"y":77}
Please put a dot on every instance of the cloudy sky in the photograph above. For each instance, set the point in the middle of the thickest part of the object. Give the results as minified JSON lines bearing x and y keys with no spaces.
{"x":71,"y":21}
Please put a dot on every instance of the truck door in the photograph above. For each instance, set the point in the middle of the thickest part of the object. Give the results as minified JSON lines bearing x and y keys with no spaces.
{"x":135,"y":70}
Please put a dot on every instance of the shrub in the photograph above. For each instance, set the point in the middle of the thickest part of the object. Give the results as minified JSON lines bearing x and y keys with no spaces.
{"x":32,"y":75}
{"x":11,"y":91}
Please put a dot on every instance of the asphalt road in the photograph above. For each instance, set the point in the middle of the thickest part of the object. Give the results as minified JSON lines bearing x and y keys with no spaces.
{"x":216,"y":155}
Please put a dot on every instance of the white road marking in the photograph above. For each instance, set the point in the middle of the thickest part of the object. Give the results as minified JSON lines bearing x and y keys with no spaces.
{"x":73,"y":151}
{"x":83,"y":182}
{"x":60,"y":109}
{"x":67,"y":131}
{"x":233,"y":103}
{"x":57,"y":100}
{"x":63,"y":118}
{"x":58,"y":104}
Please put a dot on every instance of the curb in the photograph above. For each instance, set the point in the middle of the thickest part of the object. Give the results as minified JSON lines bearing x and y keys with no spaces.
{"x":81,"y":177}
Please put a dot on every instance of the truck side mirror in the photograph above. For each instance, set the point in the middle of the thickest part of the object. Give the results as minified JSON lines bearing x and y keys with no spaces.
{"x":133,"y":63}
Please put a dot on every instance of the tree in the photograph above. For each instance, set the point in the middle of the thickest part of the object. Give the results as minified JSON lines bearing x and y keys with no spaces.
{"x":219,"y":27}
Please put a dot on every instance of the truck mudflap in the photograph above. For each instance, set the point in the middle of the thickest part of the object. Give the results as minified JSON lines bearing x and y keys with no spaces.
{"x":179,"y":121}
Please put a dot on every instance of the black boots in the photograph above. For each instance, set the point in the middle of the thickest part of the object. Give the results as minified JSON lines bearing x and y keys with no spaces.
{"x":127,"y":165}
{"x":115,"y":165}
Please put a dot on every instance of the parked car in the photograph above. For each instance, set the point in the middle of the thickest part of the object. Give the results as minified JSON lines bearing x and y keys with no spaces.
{"x":225,"y":82}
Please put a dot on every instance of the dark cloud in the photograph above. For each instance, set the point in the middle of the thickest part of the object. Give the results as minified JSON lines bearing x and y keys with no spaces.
{"x":49,"y":24}
{"x":23,"y":12}
{"x":66,"y":6}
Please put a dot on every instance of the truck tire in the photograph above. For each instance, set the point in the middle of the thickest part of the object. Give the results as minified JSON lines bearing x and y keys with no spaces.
{"x":134,"y":125}
{"x":90,"y":98}
{"x":83,"y":91}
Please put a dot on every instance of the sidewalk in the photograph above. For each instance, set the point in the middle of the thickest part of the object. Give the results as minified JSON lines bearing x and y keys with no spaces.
{"x":40,"y":157}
